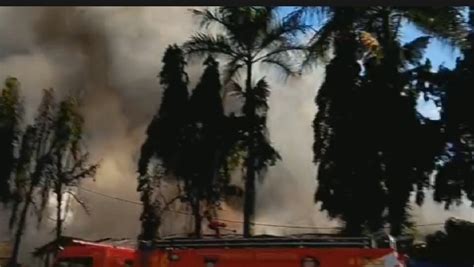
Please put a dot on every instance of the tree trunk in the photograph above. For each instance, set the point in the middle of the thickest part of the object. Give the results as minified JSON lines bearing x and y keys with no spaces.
{"x":197,"y":217}
{"x":59,"y":220}
{"x":148,"y":223}
{"x":21,"y":226}
{"x":249,"y":198}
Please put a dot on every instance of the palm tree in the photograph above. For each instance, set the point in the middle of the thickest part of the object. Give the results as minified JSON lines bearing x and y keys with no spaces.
{"x":246,"y":36}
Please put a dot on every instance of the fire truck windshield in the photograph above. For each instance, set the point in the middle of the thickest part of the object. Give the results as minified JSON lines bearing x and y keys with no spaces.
{"x":74,"y":262}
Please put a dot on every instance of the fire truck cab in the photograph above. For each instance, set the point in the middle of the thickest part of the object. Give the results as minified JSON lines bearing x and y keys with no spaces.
{"x":89,"y":254}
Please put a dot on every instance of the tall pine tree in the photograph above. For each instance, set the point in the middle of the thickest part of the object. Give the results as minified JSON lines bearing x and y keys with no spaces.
{"x":201,"y":157}
{"x":164,"y":137}
{"x":347,"y":167}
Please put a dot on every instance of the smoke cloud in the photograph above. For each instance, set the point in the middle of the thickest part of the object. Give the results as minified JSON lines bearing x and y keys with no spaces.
{"x":111,"y":57}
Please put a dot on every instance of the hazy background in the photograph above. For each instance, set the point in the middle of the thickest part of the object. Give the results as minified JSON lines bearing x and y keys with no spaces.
{"x":111,"y":56}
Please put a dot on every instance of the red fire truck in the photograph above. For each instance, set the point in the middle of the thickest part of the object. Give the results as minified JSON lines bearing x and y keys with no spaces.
{"x":228,"y":251}
{"x":263,"y":251}
{"x":93,"y":254}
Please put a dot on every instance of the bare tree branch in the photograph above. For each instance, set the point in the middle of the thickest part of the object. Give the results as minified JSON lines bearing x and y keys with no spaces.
{"x":79,"y":201}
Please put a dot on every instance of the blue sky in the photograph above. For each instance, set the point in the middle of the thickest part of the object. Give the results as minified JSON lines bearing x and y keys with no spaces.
{"x":437,"y":52}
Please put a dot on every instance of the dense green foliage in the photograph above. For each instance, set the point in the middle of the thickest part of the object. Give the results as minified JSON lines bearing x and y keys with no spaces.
{"x":373,"y":148}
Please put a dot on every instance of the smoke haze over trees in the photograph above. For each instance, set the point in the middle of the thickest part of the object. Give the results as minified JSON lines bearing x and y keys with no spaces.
{"x":110,"y":58}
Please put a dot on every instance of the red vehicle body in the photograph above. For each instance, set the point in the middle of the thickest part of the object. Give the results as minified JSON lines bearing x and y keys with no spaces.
{"x":263,"y":252}
{"x":305,"y":257}
{"x":88,"y":254}
{"x":235,"y":252}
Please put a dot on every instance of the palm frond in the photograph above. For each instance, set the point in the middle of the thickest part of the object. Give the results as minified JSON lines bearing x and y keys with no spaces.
{"x":202,"y":44}
{"x":286,"y":68}
{"x":446,"y":24}
{"x":232,"y":68}
{"x":242,"y":25}
{"x":288,"y":29}
{"x":236,"y":88}
{"x":286,"y":57}
{"x":261,"y":93}
{"x":209,"y":17}
{"x":320,"y":13}
{"x":320,"y":43}
{"x":414,"y":50}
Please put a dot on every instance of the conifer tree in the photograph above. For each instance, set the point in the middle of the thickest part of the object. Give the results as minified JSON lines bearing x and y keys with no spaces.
{"x":164,"y":137}
{"x":200,"y":159}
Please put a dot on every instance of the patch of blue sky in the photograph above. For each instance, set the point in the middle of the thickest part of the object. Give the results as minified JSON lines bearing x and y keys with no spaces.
{"x":437,"y":52}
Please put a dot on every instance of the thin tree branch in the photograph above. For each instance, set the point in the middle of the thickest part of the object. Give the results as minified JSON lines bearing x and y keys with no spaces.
{"x":79,"y":201}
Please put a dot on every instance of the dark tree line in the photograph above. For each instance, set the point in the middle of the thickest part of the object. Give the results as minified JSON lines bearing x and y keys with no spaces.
{"x":185,"y":141}
{"x":450,"y":247}
{"x":373,"y":148}
{"x":248,"y":35}
{"x":374,"y":151}
{"x":45,"y":157}
{"x":205,"y":144}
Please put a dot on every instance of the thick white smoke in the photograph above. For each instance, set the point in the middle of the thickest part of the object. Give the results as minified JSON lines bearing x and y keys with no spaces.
{"x":111,"y":57}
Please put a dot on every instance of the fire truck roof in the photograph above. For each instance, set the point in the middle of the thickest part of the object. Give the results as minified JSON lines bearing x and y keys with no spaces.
{"x":74,"y":241}
{"x":306,"y":240}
